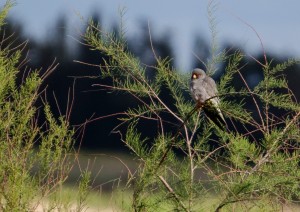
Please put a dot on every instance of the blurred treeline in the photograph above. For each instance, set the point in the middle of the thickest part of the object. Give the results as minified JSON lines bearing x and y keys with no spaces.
{"x":91,"y":101}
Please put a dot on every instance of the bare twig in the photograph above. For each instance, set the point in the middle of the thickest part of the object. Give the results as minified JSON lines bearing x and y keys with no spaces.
{"x":165,"y":183}
{"x":169,"y":146}
{"x":274,"y":146}
{"x":254,"y":100}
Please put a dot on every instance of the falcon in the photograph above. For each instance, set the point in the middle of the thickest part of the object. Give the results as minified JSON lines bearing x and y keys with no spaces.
{"x":204,"y":91}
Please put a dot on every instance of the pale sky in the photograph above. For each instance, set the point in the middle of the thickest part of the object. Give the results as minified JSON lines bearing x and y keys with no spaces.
{"x":277,"y":22}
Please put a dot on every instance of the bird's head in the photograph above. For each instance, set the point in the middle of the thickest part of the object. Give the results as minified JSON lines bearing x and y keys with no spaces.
{"x":198,"y":74}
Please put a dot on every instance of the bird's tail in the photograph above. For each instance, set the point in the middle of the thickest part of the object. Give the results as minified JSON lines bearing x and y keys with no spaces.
{"x":214,"y":113}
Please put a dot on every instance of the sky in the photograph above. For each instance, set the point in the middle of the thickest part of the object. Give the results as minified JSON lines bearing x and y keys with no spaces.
{"x":276,"y":22}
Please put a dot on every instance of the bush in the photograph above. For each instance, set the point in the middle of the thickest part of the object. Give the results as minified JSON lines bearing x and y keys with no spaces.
{"x":33,"y":153}
{"x":242,"y":168}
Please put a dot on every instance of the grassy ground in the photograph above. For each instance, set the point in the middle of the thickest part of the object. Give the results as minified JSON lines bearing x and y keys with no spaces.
{"x":96,"y":201}
{"x":108,"y":170}
{"x":118,"y":201}
{"x":109,"y":174}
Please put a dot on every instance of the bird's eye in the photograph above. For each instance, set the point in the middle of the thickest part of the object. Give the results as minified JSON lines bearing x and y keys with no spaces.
{"x":194,"y":76}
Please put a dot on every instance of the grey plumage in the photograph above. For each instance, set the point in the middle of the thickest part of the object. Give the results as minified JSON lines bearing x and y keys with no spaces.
{"x":204,"y":91}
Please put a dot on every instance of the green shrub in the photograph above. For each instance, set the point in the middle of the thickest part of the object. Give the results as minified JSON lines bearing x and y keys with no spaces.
{"x":241,"y":171}
{"x":33,"y":155}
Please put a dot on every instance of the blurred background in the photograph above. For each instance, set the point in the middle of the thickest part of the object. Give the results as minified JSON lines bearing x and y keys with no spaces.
{"x":179,"y":30}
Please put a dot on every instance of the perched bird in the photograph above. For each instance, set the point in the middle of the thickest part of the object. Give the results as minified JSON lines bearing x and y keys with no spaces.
{"x":204,"y":91}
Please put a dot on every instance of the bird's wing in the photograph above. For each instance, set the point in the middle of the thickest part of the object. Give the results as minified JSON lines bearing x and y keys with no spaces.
{"x":210,"y":87}
{"x":211,"y":107}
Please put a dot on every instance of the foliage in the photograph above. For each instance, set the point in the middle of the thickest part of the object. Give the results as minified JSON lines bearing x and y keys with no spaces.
{"x":34,"y":144}
{"x":252,"y":163}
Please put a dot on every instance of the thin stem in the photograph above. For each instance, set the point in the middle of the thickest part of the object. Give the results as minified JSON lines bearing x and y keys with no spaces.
{"x":274,"y":147}
{"x":165,"y":183}
{"x":254,"y":100}
{"x":175,"y":137}
{"x":191,"y":157}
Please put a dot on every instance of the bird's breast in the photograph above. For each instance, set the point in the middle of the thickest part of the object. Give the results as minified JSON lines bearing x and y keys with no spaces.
{"x":198,"y":93}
